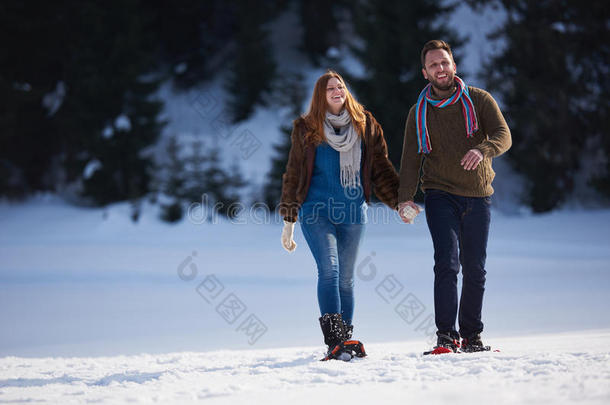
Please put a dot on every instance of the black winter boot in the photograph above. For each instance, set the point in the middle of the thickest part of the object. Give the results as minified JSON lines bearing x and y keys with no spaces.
{"x":334,"y":336}
{"x":474,"y":344}
{"x":446,"y":342}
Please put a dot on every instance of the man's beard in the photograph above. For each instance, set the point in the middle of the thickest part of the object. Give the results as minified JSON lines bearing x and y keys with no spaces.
{"x":445,"y":87}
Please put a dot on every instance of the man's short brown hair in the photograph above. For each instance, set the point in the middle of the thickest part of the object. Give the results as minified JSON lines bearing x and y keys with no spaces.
{"x":434,"y":44}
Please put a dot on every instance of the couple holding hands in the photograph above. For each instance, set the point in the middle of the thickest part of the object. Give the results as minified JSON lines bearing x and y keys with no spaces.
{"x":339,"y":156}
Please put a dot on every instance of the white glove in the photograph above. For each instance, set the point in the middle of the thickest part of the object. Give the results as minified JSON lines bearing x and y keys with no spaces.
{"x":288,"y":242}
{"x":408,"y":211}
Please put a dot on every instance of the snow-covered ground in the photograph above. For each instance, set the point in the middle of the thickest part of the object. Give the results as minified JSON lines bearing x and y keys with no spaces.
{"x":219,"y":311}
{"x":558,"y":369}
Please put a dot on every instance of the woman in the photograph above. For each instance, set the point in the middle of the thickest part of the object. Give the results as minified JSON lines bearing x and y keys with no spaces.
{"x":338,"y":155}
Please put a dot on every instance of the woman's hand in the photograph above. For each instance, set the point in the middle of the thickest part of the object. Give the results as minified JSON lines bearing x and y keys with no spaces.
{"x":288,"y":242}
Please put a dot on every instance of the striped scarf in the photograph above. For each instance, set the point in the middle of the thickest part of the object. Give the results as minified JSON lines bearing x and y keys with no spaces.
{"x":461,"y":94}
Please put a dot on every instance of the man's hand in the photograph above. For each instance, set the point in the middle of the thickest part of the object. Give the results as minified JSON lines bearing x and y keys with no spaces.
{"x":408,"y":210}
{"x":471,"y":159}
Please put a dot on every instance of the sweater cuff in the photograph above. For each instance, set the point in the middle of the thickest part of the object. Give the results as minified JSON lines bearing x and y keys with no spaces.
{"x":404,"y":195}
{"x":486,"y":150}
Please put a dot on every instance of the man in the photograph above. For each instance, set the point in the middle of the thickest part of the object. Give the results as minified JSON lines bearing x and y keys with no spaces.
{"x":454,"y":131}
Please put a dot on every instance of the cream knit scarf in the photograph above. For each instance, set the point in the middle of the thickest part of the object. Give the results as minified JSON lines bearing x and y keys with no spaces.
{"x":347,"y":143}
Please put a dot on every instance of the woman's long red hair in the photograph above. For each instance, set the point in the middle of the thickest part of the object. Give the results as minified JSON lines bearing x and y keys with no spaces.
{"x":317,"y":109}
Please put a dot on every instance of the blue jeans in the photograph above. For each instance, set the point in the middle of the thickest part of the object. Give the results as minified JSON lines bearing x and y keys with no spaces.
{"x":334,"y":247}
{"x":459,"y":227}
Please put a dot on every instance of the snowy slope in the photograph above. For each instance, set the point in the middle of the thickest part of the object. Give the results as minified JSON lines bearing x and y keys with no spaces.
{"x":558,"y":369}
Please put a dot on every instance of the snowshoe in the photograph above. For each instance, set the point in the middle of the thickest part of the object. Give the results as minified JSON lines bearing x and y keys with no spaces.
{"x":355,"y":347}
{"x":446,"y":342}
{"x":474,"y":344}
{"x":337,"y":335}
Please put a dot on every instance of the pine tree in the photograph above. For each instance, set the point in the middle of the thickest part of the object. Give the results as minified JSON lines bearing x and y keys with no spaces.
{"x":253,"y":66}
{"x":234,"y":184}
{"x":195,"y":175}
{"x":173,"y":172}
{"x":95,"y":57}
{"x":30,"y":140}
{"x":125,"y":170}
{"x":552,"y":79}
{"x":121,"y":95}
{"x":189,"y":35}
{"x":290,"y":92}
{"x":221,"y":188}
{"x":319,"y":21}
{"x":272,"y":190}
{"x":171,"y":182}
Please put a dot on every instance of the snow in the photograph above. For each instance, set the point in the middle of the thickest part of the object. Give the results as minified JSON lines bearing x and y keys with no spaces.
{"x":476,"y":26}
{"x":52,"y":101}
{"x":199,"y":115}
{"x":91,"y":167}
{"x":22,"y":86}
{"x":95,"y":310}
{"x":181,"y":68}
{"x":333,"y":52}
{"x":108,"y":132}
{"x":534,"y":369}
{"x":122,"y":123}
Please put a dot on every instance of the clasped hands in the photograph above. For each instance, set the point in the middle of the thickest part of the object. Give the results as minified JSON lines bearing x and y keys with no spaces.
{"x":407,"y":211}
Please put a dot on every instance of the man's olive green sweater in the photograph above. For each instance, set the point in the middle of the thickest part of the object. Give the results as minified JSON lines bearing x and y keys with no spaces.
{"x":447,"y":132}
